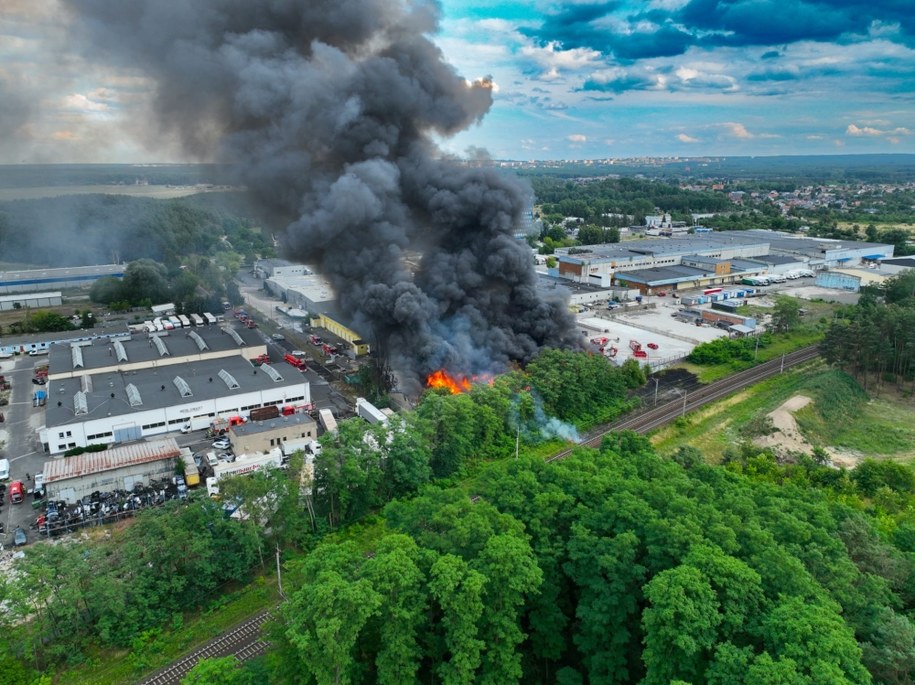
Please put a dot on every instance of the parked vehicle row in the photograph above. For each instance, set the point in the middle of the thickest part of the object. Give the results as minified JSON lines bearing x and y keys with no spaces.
{"x":106,"y":507}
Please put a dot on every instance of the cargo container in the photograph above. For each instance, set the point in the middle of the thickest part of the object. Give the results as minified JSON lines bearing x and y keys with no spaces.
{"x":264,"y":413}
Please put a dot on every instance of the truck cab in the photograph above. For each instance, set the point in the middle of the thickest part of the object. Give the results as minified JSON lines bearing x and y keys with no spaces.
{"x":17,"y":492}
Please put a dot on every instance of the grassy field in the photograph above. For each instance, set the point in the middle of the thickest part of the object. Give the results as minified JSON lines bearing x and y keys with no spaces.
{"x":841,"y":415}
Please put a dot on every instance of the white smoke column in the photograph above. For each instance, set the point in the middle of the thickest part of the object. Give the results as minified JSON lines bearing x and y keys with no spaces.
{"x":327,"y":109}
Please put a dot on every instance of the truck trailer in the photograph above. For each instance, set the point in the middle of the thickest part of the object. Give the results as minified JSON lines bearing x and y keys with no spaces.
{"x":244,"y":465}
{"x":326,"y":416}
{"x":369,"y":411}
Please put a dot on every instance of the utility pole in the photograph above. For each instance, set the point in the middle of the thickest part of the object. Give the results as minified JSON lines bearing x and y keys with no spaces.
{"x":656,"y":379}
{"x":783,"y":364}
{"x":683,"y":413}
{"x":756,"y":351}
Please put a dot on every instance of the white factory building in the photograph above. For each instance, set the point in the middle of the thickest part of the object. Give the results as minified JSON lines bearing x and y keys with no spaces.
{"x":704,"y":259}
{"x":106,"y":392}
{"x":25,"y":300}
{"x":67,"y":277}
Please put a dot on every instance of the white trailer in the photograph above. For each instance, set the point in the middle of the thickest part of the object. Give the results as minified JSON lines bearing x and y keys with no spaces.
{"x":210,"y":319}
{"x":197,"y":319}
{"x":369,"y":411}
{"x":326,"y":417}
{"x":244,"y":465}
{"x":185,"y":322}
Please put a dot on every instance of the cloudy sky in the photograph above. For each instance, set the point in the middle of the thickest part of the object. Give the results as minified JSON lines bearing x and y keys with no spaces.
{"x":573,"y":79}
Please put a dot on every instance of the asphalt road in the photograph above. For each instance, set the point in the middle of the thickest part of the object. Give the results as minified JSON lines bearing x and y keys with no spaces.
{"x":23,"y":447}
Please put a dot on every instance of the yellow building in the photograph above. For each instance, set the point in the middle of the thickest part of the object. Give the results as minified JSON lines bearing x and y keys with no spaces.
{"x":360,"y":346}
{"x":262,"y":436}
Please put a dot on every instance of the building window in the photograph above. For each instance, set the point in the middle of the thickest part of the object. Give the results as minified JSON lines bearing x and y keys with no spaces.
{"x":60,"y":435}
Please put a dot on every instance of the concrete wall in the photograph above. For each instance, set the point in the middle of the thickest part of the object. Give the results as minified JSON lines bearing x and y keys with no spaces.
{"x":280,"y":433}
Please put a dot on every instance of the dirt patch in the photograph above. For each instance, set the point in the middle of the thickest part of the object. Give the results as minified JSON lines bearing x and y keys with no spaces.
{"x":787,"y":440}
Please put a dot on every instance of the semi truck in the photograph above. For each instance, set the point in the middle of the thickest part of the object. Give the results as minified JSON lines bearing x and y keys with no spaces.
{"x":244,"y":465}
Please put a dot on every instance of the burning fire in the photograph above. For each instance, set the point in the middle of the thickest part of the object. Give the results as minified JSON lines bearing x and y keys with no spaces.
{"x":443,"y":379}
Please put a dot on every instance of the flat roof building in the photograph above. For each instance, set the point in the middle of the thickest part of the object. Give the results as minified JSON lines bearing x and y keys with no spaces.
{"x":118,"y":468}
{"x":119,"y":405}
{"x":31,"y":280}
{"x":262,"y":436}
{"x":10,"y":302}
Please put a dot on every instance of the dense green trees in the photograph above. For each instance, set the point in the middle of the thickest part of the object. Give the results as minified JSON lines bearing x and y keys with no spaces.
{"x":878,"y":336}
{"x":615,"y":566}
{"x":107,"y":593}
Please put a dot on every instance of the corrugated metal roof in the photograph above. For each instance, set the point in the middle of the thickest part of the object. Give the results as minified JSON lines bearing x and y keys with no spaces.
{"x":114,"y":458}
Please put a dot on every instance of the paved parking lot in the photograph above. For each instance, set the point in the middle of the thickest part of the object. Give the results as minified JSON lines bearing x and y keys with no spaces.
{"x":653,"y":320}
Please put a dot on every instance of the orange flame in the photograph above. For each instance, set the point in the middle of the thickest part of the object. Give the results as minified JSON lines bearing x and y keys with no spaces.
{"x":443,"y":379}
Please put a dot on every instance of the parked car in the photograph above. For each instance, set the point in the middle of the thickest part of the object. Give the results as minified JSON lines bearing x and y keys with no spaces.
{"x":221,"y":444}
{"x":19,"y":537}
{"x":212,"y":459}
{"x":186,"y":428}
{"x":278,"y":337}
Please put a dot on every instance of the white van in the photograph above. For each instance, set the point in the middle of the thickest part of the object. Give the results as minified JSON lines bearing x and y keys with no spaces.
{"x":4,"y":469}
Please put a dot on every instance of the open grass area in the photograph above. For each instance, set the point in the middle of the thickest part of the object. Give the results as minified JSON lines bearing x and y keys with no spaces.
{"x":781,"y":344}
{"x":877,"y":428}
{"x":160,"y":648}
{"x":841,"y":415}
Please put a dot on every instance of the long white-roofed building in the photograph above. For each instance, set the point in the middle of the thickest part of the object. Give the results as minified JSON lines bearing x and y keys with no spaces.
{"x":113,"y":392}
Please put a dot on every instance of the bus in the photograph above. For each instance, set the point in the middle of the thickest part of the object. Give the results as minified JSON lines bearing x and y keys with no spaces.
{"x":711,"y":291}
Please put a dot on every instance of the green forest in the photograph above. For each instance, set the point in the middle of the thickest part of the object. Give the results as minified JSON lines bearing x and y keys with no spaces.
{"x":617,"y":566}
{"x":76,"y":230}
{"x":875,"y":339}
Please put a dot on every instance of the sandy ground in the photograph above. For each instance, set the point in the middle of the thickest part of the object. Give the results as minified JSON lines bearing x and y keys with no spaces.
{"x":787,"y":438}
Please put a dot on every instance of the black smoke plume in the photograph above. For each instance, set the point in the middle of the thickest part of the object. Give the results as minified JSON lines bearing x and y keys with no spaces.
{"x":329,"y":109}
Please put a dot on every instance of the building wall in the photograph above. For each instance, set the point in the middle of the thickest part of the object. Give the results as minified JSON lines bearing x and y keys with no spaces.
{"x":264,"y":441}
{"x":103,"y":429}
{"x":46,"y":279}
{"x":9,"y":303}
{"x":360,"y":346}
{"x":832,"y":279}
{"x":123,"y":478}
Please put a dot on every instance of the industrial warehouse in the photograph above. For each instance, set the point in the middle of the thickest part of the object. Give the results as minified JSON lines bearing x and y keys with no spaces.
{"x":124,"y":390}
{"x":708,"y":259}
{"x":119,"y":468}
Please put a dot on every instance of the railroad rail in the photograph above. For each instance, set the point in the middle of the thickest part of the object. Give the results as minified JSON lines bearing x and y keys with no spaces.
{"x":669,"y":411}
{"x":243,"y":642}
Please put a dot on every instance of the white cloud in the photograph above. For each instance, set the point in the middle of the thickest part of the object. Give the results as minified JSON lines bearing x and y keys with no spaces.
{"x":577,"y":138}
{"x":77,"y":102}
{"x":854,"y":130}
{"x":554,"y":60}
{"x":737,"y":130}
{"x":683,"y":138}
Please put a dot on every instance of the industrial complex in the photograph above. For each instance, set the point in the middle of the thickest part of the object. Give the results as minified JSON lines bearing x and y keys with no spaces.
{"x":114,"y":391}
{"x":703,"y":260}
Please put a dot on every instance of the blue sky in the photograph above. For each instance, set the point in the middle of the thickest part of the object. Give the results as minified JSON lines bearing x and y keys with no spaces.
{"x":592,"y":79}
{"x":575,"y":79}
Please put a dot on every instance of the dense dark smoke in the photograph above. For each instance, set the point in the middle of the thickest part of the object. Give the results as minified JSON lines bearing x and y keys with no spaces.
{"x":328,"y":108}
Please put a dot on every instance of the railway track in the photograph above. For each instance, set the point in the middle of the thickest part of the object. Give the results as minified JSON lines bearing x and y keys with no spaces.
{"x":669,"y":411}
{"x":243,"y":642}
